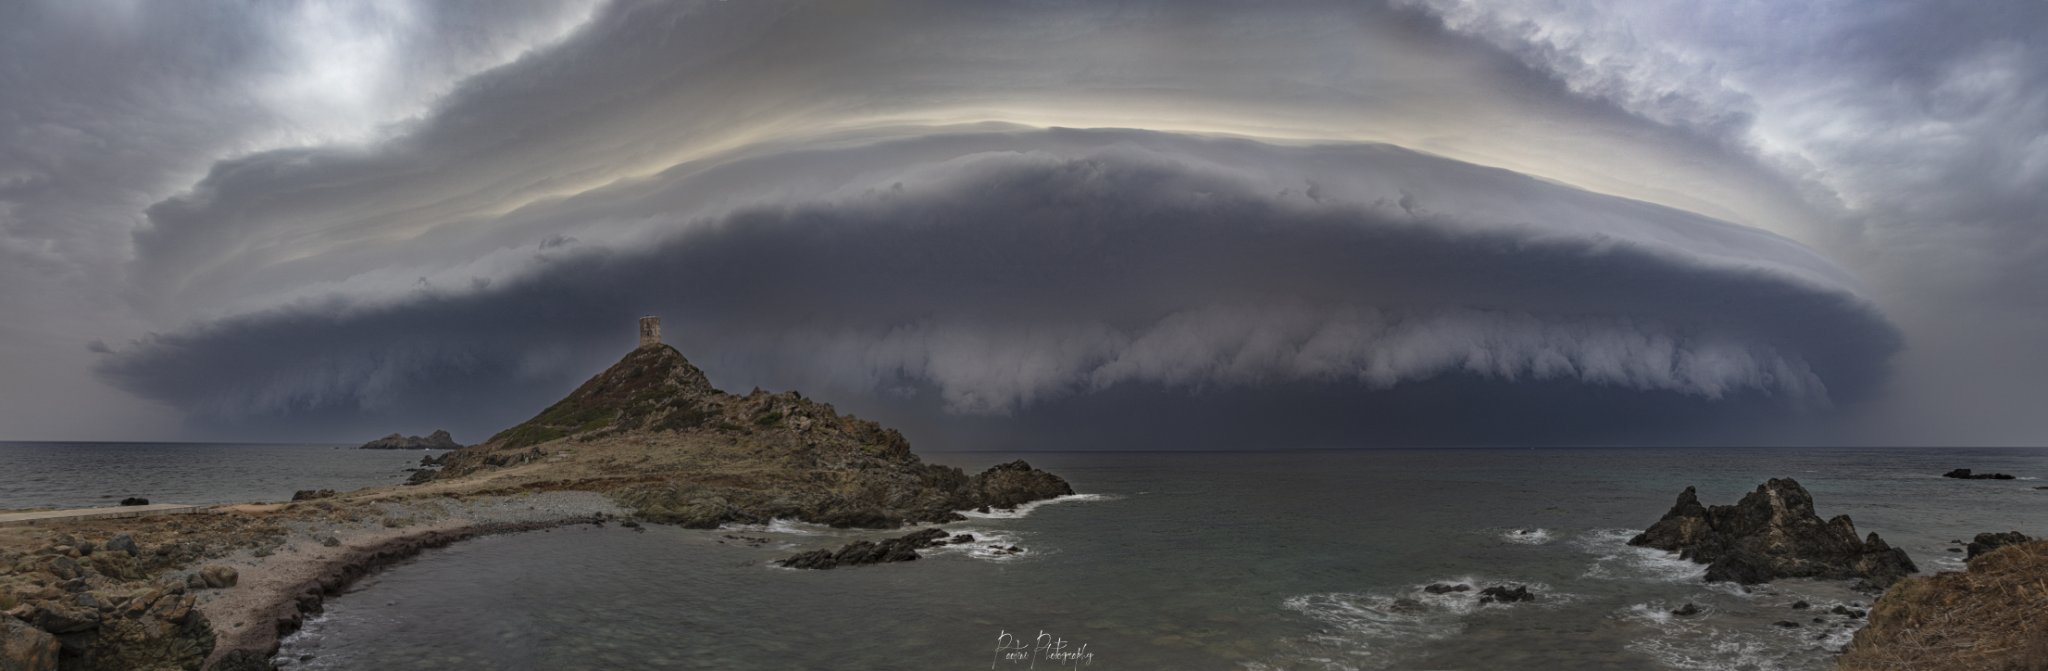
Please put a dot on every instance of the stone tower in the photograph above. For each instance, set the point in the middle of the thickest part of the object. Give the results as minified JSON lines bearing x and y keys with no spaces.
{"x":650,"y":331}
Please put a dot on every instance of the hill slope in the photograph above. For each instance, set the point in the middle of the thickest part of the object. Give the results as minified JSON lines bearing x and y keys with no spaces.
{"x":653,"y":433}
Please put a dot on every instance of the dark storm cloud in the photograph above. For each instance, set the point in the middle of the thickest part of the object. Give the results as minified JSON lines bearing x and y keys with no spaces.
{"x":1004,"y":273}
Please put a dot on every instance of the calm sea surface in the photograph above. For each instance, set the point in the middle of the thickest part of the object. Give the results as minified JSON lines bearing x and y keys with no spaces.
{"x":75,"y":475}
{"x":1298,"y":560}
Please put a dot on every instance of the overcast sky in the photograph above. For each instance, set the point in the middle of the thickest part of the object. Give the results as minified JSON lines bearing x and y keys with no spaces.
{"x":1034,"y":225}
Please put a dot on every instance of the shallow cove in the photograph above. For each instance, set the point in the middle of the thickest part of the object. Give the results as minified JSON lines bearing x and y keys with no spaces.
{"x":1233,"y":560}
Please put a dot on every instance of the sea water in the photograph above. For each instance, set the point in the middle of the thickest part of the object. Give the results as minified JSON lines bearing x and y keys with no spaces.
{"x":1275,"y":560}
{"x":84,"y":475}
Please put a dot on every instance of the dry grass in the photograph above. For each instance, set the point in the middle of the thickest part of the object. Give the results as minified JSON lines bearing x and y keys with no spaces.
{"x":1993,"y":617}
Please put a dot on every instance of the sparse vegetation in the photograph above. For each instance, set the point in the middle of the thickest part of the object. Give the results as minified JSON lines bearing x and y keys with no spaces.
{"x":1987,"y":618}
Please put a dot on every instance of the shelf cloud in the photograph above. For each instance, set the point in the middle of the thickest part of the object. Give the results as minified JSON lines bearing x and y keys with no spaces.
{"x":995,"y":270}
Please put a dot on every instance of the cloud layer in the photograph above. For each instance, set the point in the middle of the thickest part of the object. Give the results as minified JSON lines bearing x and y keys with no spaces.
{"x":1001,"y":270}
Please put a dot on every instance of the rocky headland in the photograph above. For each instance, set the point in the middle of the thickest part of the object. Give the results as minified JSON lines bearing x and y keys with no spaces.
{"x":1986,"y":618}
{"x":648,"y":439}
{"x":1773,"y":533}
{"x":438,"y":440}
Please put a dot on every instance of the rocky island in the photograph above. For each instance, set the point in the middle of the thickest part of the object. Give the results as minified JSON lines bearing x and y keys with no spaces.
{"x":438,"y":440}
{"x":1773,"y":533}
{"x":649,"y":439}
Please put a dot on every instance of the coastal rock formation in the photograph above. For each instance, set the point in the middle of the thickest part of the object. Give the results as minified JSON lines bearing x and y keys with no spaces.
{"x":1015,"y":483}
{"x":1986,"y":542}
{"x":1773,"y":533}
{"x":438,"y":440}
{"x":653,"y":433}
{"x":860,"y":553}
{"x":1965,"y":474}
{"x":1988,"y":617}
{"x":1504,"y":594}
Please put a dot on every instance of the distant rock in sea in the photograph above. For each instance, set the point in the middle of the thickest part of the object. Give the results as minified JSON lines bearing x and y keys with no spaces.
{"x":134,"y":501}
{"x":1773,"y":533}
{"x":860,"y":553}
{"x":1965,"y":474}
{"x":438,"y":440}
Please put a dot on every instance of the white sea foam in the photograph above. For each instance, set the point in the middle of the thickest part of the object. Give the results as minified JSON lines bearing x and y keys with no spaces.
{"x":1615,"y":559}
{"x":987,"y":545}
{"x":1023,"y":510}
{"x":1365,"y":628}
{"x":779,"y":526}
{"x":1527,"y":536}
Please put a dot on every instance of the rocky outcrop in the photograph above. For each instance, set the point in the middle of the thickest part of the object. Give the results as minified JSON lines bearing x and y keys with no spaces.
{"x":1986,"y":542}
{"x":313,"y":494}
{"x":438,"y":440}
{"x":1013,"y":484}
{"x":1773,"y":533}
{"x":860,"y":553}
{"x":1505,"y":594}
{"x":1965,"y":474}
{"x":26,"y":648}
{"x":653,"y":432}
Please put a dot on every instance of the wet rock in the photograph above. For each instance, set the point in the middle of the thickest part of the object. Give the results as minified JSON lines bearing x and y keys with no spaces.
{"x":1502,"y":594}
{"x":1445,"y":588}
{"x":216,"y":576}
{"x":1986,"y":542}
{"x":1773,"y":533}
{"x":858,"y":553}
{"x":1847,"y":612}
{"x":1965,"y":474}
{"x":134,"y":501}
{"x":1688,"y":610}
{"x":1801,"y":605}
{"x":1788,"y":624}
{"x":26,"y":648}
{"x":313,"y":494}
{"x":962,"y":538}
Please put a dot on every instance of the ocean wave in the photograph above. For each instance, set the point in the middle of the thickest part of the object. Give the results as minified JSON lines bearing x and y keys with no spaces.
{"x":1527,"y":536}
{"x":779,"y":526}
{"x":1615,"y":559}
{"x":1366,"y":629}
{"x":1023,"y":510}
{"x":987,"y":545}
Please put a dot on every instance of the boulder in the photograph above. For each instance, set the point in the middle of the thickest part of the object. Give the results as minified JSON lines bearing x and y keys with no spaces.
{"x":1773,"y":533}
{"x":26,"y":648}
{"x":1986,"y":542}
{"x":859,"y":553}
{"x":123,"y":543}
{"x":216,"y":576}
{"x":134,"y":501}
{"x":312,"y":494}
{"x":1688,"y":610}
{"x":1445,"y":588}
{"x":1965,"y":474}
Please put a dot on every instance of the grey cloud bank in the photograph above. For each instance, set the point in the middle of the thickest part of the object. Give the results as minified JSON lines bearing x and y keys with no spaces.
{"x":1633,"y":224}
{"x":999,"y":270}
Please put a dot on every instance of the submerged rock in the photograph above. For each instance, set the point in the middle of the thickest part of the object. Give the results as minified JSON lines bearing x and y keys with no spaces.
{"x":857,"y":553}
{"x":1773,"y":533}
{"x":1688,"y":610}
{"x":134,"y":501}
{"x":1503,"y":594}
{"x":1965,"y":474}
{"x":1445,"y":588}
{"x":1986,"y":542}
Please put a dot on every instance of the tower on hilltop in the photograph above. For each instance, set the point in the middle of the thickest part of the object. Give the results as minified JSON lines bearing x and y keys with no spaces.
{"x":650,"y":331}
